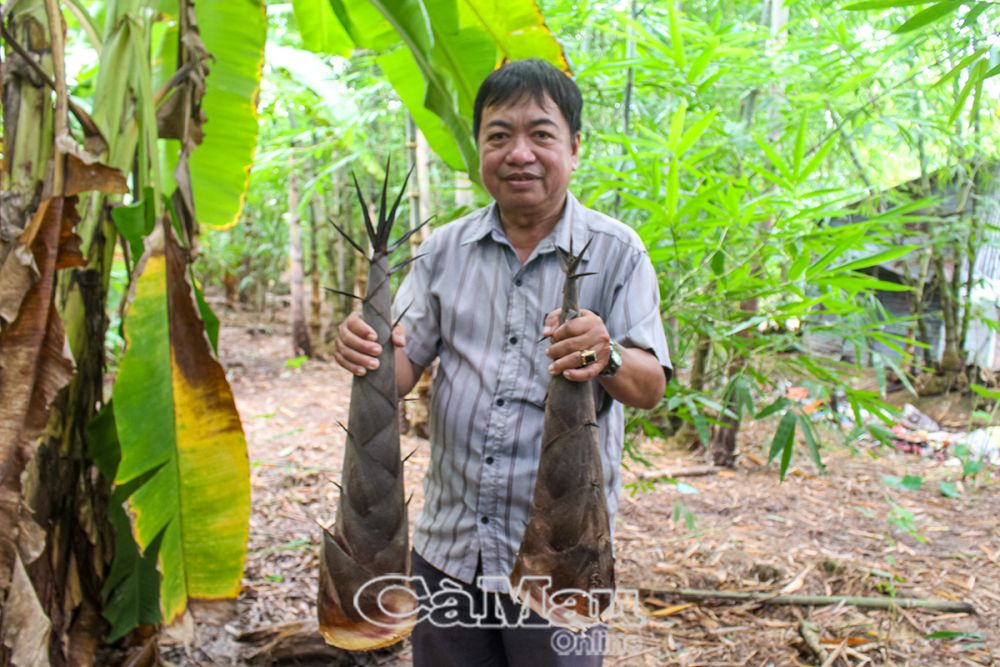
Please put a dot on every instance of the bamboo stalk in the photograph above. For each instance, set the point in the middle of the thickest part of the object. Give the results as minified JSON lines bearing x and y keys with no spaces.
{"x":814,"y":600}
{"x":691,"y":471}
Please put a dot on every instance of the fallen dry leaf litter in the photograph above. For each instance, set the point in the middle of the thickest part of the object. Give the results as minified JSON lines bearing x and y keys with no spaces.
{"x":844,"y":533}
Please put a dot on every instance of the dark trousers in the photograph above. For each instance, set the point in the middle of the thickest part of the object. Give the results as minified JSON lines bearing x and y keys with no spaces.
{"x":470,"y":628}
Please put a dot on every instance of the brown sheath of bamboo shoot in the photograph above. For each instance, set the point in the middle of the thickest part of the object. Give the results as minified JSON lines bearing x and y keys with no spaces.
{"x":567,"y":542}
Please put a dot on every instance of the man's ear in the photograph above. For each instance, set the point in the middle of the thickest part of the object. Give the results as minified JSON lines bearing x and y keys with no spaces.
{"x":575,"y":150}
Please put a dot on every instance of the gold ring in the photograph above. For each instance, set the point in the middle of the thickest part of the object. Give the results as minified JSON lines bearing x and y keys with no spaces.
{"x":587,"y":357}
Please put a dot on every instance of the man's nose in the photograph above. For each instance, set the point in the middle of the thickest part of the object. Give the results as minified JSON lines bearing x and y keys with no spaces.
{"x":521,"y":150}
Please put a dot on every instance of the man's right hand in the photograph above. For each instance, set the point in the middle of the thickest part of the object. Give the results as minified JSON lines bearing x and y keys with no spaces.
{"x":355,"y":348}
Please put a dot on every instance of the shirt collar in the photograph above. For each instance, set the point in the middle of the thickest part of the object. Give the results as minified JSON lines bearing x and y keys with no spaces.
{"x":571,"y":229}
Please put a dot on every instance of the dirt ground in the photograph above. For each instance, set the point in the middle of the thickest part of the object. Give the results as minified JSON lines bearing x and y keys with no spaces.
{"x":845,"y":532}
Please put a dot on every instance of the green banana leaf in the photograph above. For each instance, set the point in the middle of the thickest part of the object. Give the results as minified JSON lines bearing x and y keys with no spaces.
{"x":448,"y":48}
{"x":179,"y":431}
{"x":320,"y":29}
{"x":233,"y":32}
{"x":131,"y":592}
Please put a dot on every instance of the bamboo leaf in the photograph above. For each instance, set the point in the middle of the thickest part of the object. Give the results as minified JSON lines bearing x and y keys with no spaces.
{"x":800,"y":149}
{"x":694,"y":132}
{"x":963,"y":95}
{"x":876,"y":259}
{"x":817,"y":159}
{"x":778,"y":161}
{"x":676,"y":39}
{"x":180,"y":432}
{"x":808,"y":431}
{"x":962,"y":64}
{"x":778,"y":404}
{"x":673,"y":186}
{"x":799,"y":265}
{"x":700,"y":423}
{"x":233,"y":32}
{"x":977,"y":73}
{"x":783,"y":441}
{"x":701,"y":62}
{"x":929,"y":15}
{"x":883,"y":4}
{"x":973,"y":14}
{"x":676,"y":126}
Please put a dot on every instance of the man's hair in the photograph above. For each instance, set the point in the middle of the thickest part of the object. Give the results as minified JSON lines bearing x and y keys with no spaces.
{"x":533,"y":77}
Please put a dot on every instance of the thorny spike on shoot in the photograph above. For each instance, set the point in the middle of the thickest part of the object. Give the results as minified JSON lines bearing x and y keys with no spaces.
{"x":406,"y":236}
{"x":395,"y":205}
{"x":405,"y":263}
{"x":347,"y":236}
{"x":400,"y":318}
{"x":364,"y":209}
{"x":382,"y":209}
{"x":342,"y":293}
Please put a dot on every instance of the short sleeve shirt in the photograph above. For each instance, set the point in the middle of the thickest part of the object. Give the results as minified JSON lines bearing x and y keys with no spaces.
{"x":470,"y":303}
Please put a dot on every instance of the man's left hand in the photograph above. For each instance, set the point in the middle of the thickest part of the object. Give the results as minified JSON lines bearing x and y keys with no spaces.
{"x":583,"y":333}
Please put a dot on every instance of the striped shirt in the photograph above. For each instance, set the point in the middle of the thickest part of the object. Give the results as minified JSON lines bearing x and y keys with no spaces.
{"x":475,"y":307}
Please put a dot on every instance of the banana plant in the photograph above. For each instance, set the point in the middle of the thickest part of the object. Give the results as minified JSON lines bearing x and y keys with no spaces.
{"x":435,"y":53}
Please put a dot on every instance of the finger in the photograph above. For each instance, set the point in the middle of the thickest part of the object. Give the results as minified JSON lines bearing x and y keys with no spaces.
{"x":566,"y":347}
{"x":353,"y":360}
{"x":399,"y":336}
{"x":551,"y":322}
{"x":596,"y":339}
{"x":354,"y":336}
{"x":359,"y":327}
{"x":579,"y":326}
{"x":568,"y":362}
{"x":584,"y":374}
{"x":351,"y":367}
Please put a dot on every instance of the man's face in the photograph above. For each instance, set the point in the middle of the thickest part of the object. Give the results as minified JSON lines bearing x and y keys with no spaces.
{"x":526,"y":157}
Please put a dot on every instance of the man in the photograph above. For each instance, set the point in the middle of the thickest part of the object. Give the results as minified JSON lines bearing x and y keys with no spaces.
{"x":480,"y":298}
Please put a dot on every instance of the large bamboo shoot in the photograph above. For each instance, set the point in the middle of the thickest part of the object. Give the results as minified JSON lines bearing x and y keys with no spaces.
{"x":564,"y":570}
{"x":361,"y":605}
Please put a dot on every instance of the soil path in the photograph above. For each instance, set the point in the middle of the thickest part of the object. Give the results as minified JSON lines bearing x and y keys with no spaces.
{"x":845,"y":532}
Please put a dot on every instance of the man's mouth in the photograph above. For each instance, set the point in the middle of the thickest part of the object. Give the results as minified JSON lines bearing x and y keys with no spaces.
{"x":520,"y":178}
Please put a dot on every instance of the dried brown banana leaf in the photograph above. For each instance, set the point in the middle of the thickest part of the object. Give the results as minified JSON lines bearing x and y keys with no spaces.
{"x":564,"y":570}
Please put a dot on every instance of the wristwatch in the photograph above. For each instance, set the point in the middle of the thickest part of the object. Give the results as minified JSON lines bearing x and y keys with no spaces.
{"x":614,"y":362}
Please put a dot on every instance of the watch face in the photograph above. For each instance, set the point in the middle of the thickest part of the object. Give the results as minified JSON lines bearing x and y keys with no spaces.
{"x":614,"y":362}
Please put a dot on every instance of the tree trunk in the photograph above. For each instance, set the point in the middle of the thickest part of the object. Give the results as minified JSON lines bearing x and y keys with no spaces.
{"x":687,"y":434}
{"x":463,"y":191}
{"x":774,"y":14}
{"x":54,"y":536}
{"x":416,"y":410}
{"x":318,"y":210}
{"x":300,"y":331}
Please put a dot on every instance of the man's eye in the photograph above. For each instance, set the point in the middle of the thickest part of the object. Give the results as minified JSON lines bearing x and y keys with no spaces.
{"x":542,"y":134}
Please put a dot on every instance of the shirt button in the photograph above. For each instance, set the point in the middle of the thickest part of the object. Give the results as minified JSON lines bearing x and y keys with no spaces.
{"x":489,"y":459}
{"x":513,"y":340}
{"x":500,"y":402}
{"x":485,"y":519}
{"x":518,"y":282}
